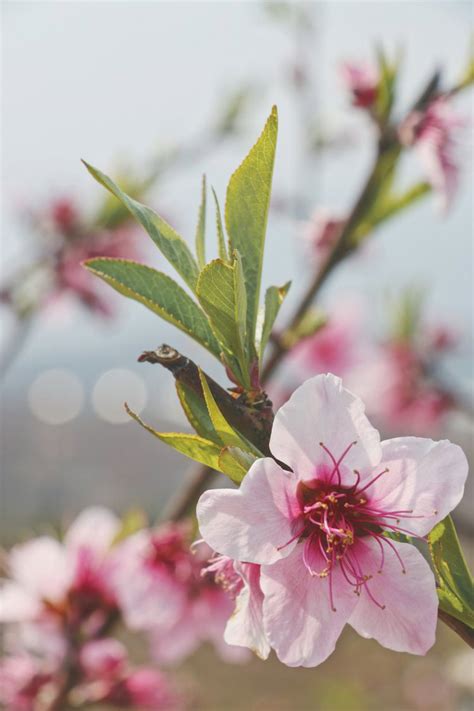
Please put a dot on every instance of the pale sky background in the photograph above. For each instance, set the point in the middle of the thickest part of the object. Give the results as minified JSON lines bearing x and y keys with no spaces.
{"x":113,"y":80}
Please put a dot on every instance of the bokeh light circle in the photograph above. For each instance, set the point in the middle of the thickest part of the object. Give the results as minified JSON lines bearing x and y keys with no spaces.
{"x":112,"y":389}
{"x":56,"y":396}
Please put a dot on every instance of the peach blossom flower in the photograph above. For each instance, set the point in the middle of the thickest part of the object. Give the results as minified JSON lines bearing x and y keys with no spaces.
{"x":320,"y":528}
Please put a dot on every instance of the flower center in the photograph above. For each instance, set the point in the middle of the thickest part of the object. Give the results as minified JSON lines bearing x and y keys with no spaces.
{"x":334,"y":516}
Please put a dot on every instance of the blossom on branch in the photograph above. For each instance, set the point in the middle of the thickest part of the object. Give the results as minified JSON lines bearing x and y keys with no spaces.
{"x":433,"y":134}
{"x":325,"y":530}
{"x":361,"y":81}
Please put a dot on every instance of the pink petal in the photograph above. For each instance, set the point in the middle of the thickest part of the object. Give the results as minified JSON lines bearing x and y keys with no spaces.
{"x":250,"y":523}
{"x":424,"y":476}
{"x":42,"y":567}
{"x":321,"y":410}
{"x":170,"y":646}
{"x":94,"y":528}
{"x":300,"y":624}
{"x":148,"y":597}
{"x":17,"y":604}
{"x":408,"y":622}
{"x":245,"y":626}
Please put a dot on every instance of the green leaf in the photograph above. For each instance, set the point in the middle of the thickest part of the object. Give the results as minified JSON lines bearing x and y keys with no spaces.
{"x":220,"y":231}
{"x":456,"y":587}
{"x":159,"y":293}
{"x":246,"y":212}
{"x":192,"y":446}
{"x":173,"y":247}
{"x":225,"y":432}
{"x":201,"y":228}
{"x":216,"y":291}
{"x":235,"y":463}
{"x":273,"y":300}
{"x":196,"y":412}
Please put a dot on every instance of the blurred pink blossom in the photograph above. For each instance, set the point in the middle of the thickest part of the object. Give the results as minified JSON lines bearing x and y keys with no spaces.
{"x":337,"y":347}
{"x":399,"y":392}
{"x":142,"y":688}
{"x":361,"y":80}
{"x":72,"y":277}
{"x":321,"y":232}
{"x":110,"y":679}
{"x":57,"y":583}
{"x":433,"y":133}
{"x":22,"y":679}
{"x":316,"y":528}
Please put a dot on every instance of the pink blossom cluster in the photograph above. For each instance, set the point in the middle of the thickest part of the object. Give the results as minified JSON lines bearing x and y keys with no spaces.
{"x":395,"y":377}
{"x":79,"y":242}
{"x":63,"y":600}
{"x":66,"y":239}
{"x":318,"y":530}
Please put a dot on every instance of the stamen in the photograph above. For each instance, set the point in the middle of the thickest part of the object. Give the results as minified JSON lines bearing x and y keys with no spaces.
{"x":372,"y":481}
{"x":339,"y":461}
{"x":297,"y":535}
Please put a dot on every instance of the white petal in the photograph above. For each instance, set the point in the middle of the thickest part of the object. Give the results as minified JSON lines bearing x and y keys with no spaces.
{"x":322,"y":411}
{"x":299,"y":621}
{"x":42,"y":566}
{"x":245,"y":626}
{"x":424,"y":476}
{"x":94,"y":528}
{"x":16,"y":604}
{"x":251,"y":523}
{"x":408,"y":622}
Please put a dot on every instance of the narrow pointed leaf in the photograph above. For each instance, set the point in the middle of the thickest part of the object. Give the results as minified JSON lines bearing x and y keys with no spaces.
{"x":226,"y":433}
{"x":196,"y":412}
{"x":246,"y":212}
{"x":197,"y":448}
{"x":273,"y":300}
{"x":456,"y":586}
{"x":173,"y":247}
{"x":159,"y":293}
{"x":201,"y":228}
{"x":216,"y":294}
{"x":220,"y":231}
{"x":235,"y":463}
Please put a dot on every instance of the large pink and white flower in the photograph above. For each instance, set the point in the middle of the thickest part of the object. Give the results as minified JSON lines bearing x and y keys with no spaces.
{"x":320,"y":528}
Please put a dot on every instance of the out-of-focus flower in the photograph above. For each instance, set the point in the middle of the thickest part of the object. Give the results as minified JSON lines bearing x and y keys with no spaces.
{"x":167,"y":589}
{"x":433,"y":133}
{"x":317,"y":529}
{"x":103,"y":658}
{"x":337,"y":347}
{"x":72,"y":277}
{"x":23,"y":679}
{"x":321,"y":232}
{"x":58,"y":583}
{"x":142,"y":688}
{"x":399,"y":391}
{"x":109,"y":678}
{"x":65,"y":238}
{"x":154,"y":568}
{"x":362,"y":81}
